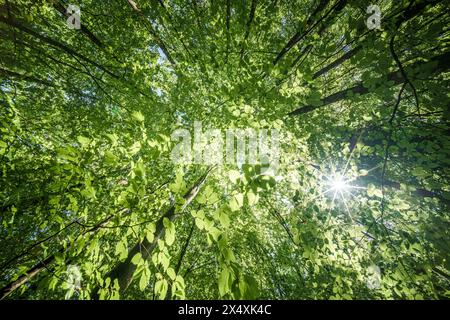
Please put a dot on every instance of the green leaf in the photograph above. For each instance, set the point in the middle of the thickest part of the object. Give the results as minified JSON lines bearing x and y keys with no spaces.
{"x":199,"y":223}
{"x":164,"y":260}
{"x":171,"y":273}
{"x":179,"y":185}
{"x":84,"y":141}
{"x":363,"y":173}
{"x":234,"y":175}
{"x":228,"y":255}
{"x":373,"y":191}
{"x":143,"y":281}
{"x":150,"y":236}
{"x":113,"y":138}
{"x":161,"y":287}
{"x":224,"y":219}
{"x":139,"y":170}
{"x":134,"y":148}
{"x":214,"y":232}
{"x":180,"y":280}
{"x":121,"y":250}
{"x":237,"y":202}
{"x":136,"y":258}
{"x":169,"y":231}
{"x":208,"y":196}
{"x":223,"y":282}
{"x":110,"y":157}
{"x":252,"y":198}
{"x":137,"y":115}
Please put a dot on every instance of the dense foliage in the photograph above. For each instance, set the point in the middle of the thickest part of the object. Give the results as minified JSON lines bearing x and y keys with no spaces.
{"x":89,"y":191}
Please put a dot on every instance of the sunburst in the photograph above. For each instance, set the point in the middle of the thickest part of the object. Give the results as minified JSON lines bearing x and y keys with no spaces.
{"x":340,"y":187}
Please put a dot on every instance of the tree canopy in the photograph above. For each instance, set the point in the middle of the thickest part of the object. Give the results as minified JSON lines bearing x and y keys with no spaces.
{"x":93,"y":206}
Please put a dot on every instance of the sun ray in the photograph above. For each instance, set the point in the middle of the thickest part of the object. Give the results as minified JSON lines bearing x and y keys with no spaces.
{"x":346,"y":207}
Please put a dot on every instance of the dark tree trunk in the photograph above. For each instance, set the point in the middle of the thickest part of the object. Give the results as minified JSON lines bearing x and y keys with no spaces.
{"x":395,"y":77}
{"x":124,"y":271}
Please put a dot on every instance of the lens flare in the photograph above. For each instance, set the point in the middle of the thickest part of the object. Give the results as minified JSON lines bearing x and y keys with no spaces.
{"x":338,"y":183}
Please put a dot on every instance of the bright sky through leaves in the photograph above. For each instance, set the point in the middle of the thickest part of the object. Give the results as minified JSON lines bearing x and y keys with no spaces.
{"x":357,"y":206}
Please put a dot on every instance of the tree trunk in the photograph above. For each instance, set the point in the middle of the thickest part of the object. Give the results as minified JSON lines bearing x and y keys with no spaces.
{"x":396,"y":77}
{"x":406,"y":15}
{"x":35,"y":270}
{"x":124,"y":271}
{"x":300,"y":35}
{"x":16,"y":24}
{"x":61,"y":9}
{"x":182,"y":254}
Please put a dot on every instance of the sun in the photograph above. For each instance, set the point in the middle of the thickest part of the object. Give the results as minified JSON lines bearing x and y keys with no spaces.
{"x":339,"y":184}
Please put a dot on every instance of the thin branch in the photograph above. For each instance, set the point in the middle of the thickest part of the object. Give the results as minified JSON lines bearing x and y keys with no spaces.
{"x":402,"y":71}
